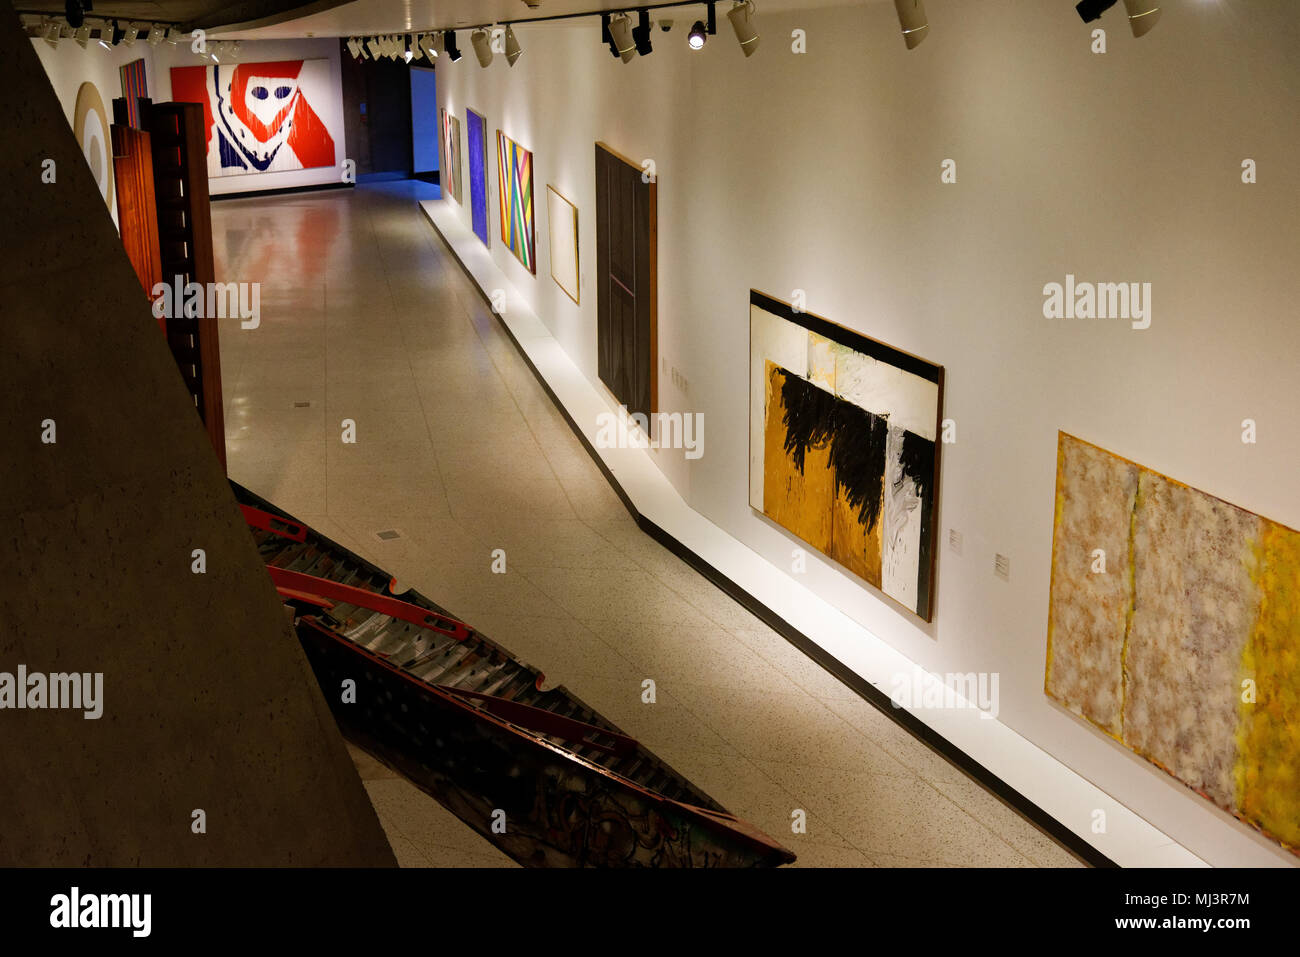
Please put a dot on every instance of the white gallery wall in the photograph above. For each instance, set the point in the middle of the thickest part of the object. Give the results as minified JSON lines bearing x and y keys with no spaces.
{"x":68,"y":66}
{"x":327,"y":103}
{"x":821,"y":171}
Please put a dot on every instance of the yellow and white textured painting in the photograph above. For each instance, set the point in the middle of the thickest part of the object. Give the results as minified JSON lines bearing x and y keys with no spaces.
{"x":1174,"y":627}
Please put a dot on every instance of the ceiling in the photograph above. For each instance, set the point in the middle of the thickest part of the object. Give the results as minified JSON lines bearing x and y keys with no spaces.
{"x":368,"y":17}
{"x":191,"y":13}
{"x":286,"y":19}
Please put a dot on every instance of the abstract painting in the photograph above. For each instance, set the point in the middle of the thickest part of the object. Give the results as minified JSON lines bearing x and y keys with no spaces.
{"x":627,"y":281}
{"x":476,"y":133}
{"x":515,"y":190}
{"x":844,"y":448}
{"x":134,"y":86}
{"x":1174,"y":627}
{"x":258,"y":117}
{"x":450,"y":175}
{"x":562,"y":220}
{"x":90,"y":124}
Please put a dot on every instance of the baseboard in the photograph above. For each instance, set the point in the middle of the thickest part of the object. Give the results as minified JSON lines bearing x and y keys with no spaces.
{"x":279,"y":192}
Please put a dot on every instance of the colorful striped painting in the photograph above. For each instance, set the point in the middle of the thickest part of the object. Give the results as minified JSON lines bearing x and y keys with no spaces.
{"x":134,"y":86}
{"x":1174,"y":625}
{"x":515,"y":189}
{"x":449,"y":176}
{"x":476,"y":134}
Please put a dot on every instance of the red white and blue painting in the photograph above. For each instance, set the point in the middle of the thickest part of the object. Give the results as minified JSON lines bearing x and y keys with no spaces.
{"x":259,"y":117}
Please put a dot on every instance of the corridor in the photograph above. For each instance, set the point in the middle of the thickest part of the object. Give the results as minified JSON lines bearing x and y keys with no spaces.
{"x":365,"y":316}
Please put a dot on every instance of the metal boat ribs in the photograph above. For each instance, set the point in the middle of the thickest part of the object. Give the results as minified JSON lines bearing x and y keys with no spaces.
{"x":469,"y":723}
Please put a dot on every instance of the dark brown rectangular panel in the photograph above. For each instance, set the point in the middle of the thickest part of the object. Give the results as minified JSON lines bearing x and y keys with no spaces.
{"x":626,"y":281}
{"x":180,"y":170}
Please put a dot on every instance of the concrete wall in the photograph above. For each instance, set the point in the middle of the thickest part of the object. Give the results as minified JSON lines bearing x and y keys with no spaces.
{"x":208,"y":702}
{"x":820,"y":171}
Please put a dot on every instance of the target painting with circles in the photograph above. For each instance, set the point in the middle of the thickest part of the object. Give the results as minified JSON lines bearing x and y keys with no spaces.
{"x":90,"y":124}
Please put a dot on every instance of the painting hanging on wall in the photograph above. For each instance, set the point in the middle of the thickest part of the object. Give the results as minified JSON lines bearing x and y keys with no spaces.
{"x":476,"y":133}
{"x":844,"y":447}
{"x":90,"y":124}
{"x":627,"y":281}
{"x":1174,"y":625}
{"x":259,"y":117}
{"x":449,"y":177}
{"x":562,"y":221}
{"x":134,"y":86}
{"x":515,"y":191}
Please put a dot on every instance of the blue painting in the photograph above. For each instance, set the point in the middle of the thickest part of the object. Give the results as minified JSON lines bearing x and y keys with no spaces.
{"x":478,"y":199}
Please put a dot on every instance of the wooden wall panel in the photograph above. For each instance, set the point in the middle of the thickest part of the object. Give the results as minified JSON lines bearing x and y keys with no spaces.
{"x":137,"y":213}
{"x":627,"y":281}
{"x":180,"y":169}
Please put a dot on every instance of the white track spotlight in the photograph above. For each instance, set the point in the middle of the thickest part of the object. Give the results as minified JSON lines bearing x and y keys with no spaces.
{"x":354,"y":48}
{"x":620,"y":29}
{"x":911,"y":16}
{"x":132,"y":31}
{"x":426,"y":46}
{"x":155,"y":36}
{"x":50,"y":34}
{"x":439,"y":41}
{"x":82,"y":35}
{"x":481,"y":40}
{"x":175,"y":36}
{"x":742,"y":18}
{"x":1142,"y":16}
{"x":373,"y":46}
{"x":513,"y":50}
{"x":106,"y":37}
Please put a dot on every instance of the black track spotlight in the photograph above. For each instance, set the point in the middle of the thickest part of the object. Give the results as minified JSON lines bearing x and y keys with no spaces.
{"x":453,"y":51}
{"x":911,"y":17}
{"x":74,"y":13}
{"x":641,"y":33}
{"x":742,"y":19}
{"x":703,"y":29}
{"x":1090,"y":10}
{"x":697,"y":36}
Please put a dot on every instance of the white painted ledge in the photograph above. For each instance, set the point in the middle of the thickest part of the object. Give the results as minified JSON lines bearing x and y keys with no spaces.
{"x":1130,"y":841}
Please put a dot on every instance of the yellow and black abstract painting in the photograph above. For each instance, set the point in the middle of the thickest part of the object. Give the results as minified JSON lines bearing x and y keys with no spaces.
{"x":1174,"y":627}
{"x":844,"y":450}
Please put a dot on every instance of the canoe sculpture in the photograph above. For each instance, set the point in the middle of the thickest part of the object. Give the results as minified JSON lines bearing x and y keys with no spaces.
{"x":538,"y":773}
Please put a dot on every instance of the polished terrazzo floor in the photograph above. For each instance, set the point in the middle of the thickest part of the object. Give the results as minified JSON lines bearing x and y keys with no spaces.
{"x":366,"y":316}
